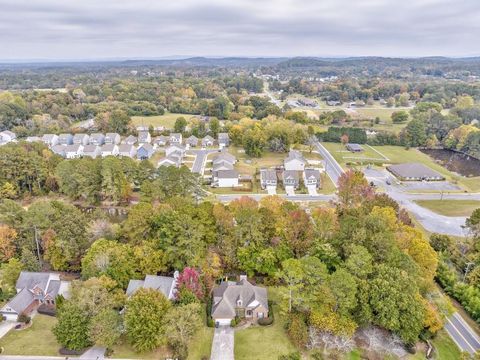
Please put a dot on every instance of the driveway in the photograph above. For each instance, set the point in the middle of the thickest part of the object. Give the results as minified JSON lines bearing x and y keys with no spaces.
{"x":5,"y":327}
{"x":271,"y":190}
{"x":222,"y":345}
{"x":290,"y":190}
{"x":312,"y":190}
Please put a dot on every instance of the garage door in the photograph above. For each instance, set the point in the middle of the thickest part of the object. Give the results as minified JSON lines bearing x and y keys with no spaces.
{"x":223,"y":321}
{"x":10,"y":317}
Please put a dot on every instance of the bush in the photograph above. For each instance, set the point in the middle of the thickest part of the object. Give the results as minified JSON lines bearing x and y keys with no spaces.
{"x":24,"y":318}
{"x":47,"y":310}
{"x":64,"y":351}
{"x":292,"y":356}
{"x":234,"y":321}
{"x":210,"y":322}
{"x":265,"y":321}
{"x":297,"y":331}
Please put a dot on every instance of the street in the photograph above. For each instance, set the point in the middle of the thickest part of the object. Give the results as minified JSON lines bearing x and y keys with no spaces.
{"x":462,"y":334}
{"x":198,"y":166}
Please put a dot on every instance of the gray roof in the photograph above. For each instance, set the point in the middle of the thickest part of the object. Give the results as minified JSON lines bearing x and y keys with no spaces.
{"x":59,"y":150}
{"x":192,"y":140}
{"x":143,"y":136}
{"x":48,"y":137}
{"x":222,"y":165}
{"x":226,"y":295}
{"x":290,"y":175}
{"x":53,"y":288}
{"x":72,"y":148}
{"x":354,"y":147}
{"x":90,"y":149}
{"x":29,"y":280}
{"x":79,"y":136}
{"x":268,"y":174}
{"x":97,"y":136}
{"x":224,"y":156}
{"x":223,"y":136}
{"x":111,"y":136}
{"x":226,"y":174}
{"x":161,"y":139}
{"x":414,"y":170}
{"x":295,"y":155}
{"x":164,"y":284}
{"x":172,"y":159}
{"x":125,"y":148}
{"x":21,"y":301}
{"x":312,"y":173}
{"x":176,"y":135}
{"x":208,"y":138}
{"x":130,"y":140}
{"x":108,"y":147}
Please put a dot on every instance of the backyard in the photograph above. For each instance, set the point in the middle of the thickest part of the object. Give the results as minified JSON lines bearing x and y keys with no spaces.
{"x":166,"y":120}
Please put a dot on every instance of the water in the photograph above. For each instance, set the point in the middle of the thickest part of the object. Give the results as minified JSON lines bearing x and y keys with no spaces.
{"x":454,"y":161}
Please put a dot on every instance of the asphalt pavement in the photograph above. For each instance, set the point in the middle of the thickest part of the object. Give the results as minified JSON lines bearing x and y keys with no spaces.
{"x":462,"y":334}
{"x":332,"y":167}
{"x":198,"y":166}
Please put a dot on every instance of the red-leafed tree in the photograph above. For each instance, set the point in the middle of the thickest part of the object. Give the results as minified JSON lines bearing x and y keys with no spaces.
{"x":189,"y":279}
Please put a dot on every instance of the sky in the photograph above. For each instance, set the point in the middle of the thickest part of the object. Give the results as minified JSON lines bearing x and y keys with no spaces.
{"x":106,"y":29}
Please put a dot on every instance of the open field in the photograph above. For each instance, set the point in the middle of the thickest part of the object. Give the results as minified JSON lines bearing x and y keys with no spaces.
{"x":450,"y":207}
{"x":166,"y":120}
{"x":38,"y":339}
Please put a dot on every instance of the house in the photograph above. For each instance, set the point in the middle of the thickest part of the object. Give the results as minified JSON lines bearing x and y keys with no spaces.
{"x":81,"y":139}
{"x":311,"y":177}
{"x":145,"y":151}
{"x":333,"y":103}
{"x":73,"y":151}
{"x":65,"y":139}
{"x":175,"y":139}
{"x":97,"y":139}
{"x":34,"y":289}
{"x":208,"y":141}
{"x":225,"y":178}
{"x":414,"y":172}
{"x":161,"y":140}
{"x":50,"y":139}
{"x":92,"y":151}
{"x":7,"y":136}
{"x":112,"y":138}
{"x":295,"y":161}
{"x":290,"y":178}
{"x":165,"y":284}
{"x":173,"y":159}
{"x":239,"y":299}
{"x":175,"y":148}
{"x":268,"y":178}
{"x":31,"y":139}
{"x":58,"y":150}
{"x":223,"y":140}
{"x":144,"y":137}
{"x":222,"y":165}
{"x":224,"y":156}
{"x":109,"y":150}
{"x":192,"y":141}
{"x":130,"y":140}
{"x":127,"y":150}
{"x":354,"y":147}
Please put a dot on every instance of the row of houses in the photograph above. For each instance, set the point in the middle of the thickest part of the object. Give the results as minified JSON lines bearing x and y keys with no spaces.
{"x":269,"y":178}
{"x":174,"y":155}
{"x":230,"y":299}
{"x":223,"y":173}
{"x":75,"y":151}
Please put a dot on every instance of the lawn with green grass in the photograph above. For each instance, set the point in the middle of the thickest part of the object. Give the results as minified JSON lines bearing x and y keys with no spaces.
{"x":445,"y":347}
{"x":264,"y":342}
{"x":38,"y":339}
{"x":166,"y":120}
{"x":343,"y":156}
{"x":450,"y":207}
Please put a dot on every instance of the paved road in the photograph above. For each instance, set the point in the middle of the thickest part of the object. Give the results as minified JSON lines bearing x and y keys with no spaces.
{"x":94,"y":353}
{"x":297,"y":197}
{"x":222,"y":345}
{"x":462,"y":334}
{"x":333,"y":169}
{"x":200,"y":159}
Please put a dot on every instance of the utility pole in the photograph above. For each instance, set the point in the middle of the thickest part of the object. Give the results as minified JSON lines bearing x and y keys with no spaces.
{"x":38,"y":246}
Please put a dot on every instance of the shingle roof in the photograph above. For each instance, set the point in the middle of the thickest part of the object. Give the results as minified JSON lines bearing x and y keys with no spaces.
{"x":268,"y":174}
{"x":226,"y":174}
{"x":309,"y":173}
{"x":29,"y":280}
{"x":222,"y":165}
{"x":87,"y":149}
{"x":108,"y":147}
{"x":295,"y":155}
{"x":224,"y":156}
{"x":290,"y":175}
{"x":354,"y":147}
{"x":414,"y":170}
{"x":125,"y":148}
{"x":21,"y":301}
{"x":164,"y":284}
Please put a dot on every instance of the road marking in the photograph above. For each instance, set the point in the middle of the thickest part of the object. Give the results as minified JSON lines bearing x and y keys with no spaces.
{"x":459,"y":333}
{"x":467,"y":327}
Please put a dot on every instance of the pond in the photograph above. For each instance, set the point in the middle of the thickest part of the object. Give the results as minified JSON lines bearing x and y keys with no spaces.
{"x":454,"y":161}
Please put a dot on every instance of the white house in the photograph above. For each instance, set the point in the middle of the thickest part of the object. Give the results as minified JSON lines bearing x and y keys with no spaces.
{"x":127,"y":150}
{"x":31,"y":139}
{"x":145,"y":151}
{"x":50,"y":139}
{"x":6,"y":137}
{"x":73,"y":151}
{"x":112,"y":138}
{"x":311,"y":177}
{"x":175,"y":148}
{"x":225,"y":178}
{"x":92,"y":151}
{"x":175,"y":139}
{"x":130,"y":140}
{"x":144,"y":137}
{"x":109,"y":150}
{"x":161,"y":140}
{"x":295,"y":161}
{"x":65,"y":139}
{"x":81,"y":139}
{"x":208,"y":141}
{"x":268,"y":178}
{"x":97,"y":139}
{"x":172,"y":160}
{"x":223,"y":140}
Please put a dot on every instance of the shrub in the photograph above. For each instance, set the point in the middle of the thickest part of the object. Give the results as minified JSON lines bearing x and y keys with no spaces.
{"x":64,"y":351}
{"x":24,"y":318}
{"x":210,"y":322}
{"x":47,"y":310}
{"x":292,"y":356}
{"x":265,"y":321}
{"x":234,"y":321}
{"x":297,"y":331}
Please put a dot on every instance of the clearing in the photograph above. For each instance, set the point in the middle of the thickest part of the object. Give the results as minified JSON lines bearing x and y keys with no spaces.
{"x":450,"y":207}
{"x":166,"y":120}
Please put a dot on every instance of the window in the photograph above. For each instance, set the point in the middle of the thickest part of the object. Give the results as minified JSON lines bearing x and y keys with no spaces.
{"x":239,"y":303}
{"x":249,"y":313}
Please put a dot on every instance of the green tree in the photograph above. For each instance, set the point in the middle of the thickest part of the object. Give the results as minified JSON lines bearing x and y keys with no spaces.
{"x":399,"y":117}
{"x":105,"y":328}
{"x":72,"y":328}
{"x":180,"y":125}
{"x":145,"y":319}
{"x":414,"y":133}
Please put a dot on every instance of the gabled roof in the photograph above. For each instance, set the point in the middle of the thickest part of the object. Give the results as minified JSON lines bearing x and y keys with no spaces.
{"x":226,"y":174}
{"x":290,"y":175}
{"x":165,"y":284}
{"x":268,"y":174}
{"x":30,"y":280}
{"x":79,"y":136}
{"x":192,"y":140}
{"x":59,"y":150}
{"x":73,"y":148}
{"x":161,"y":138}
{"x":21,"y":301}
{"x":312,"y":174}
{"x":108,"y":147}
{"x":226,"y":295}
{"x":295,"y":155}
{"x":224,"y":156}
{"x":125,"y":148}
{"x":97,"y":136}
{"x":176,"y":135}
{"x":143,"y":136}
{"x":9,"y":133}
{"x":222,"y":165}
{"x":49,"y":137}
{"x":223,"y":137}
{"x":354,"y":147}
{"x":130,"y":139}
{"x":147,"y":147}
{"x":89,"y":149}
{"x":64,"y":137}
{"x":208,"y":138}
{"x":414,"y":170}
{"x":111,"y":136}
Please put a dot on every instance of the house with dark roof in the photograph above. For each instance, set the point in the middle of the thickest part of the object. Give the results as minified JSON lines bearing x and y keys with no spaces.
{"x":290,"y":178}
{"x":109,"y":150}
{"x":268,"y":178}
{"x":241,"y":299}
{"x":130,"y":140}
{"x":294,"y":161}
{"x":354,"y":147}
{"x":34,"y":289}
{"x":165,"y":284}
{"x":414,"y":172}
{"x":224,"y":156}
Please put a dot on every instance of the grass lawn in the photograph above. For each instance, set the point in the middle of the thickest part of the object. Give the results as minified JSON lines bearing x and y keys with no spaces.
{"x":166,"y":120}
{"x":446,"y":348}
{"x":125,"y":351}
{"x":450,"y":207}
{"x":264,"y":342}
{"x":343,"y":156}
{"x":38,"y":339}
{"x":201,"y":344}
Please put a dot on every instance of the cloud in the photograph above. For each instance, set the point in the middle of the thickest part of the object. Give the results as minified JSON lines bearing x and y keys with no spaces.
{"x":81,"y":29}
